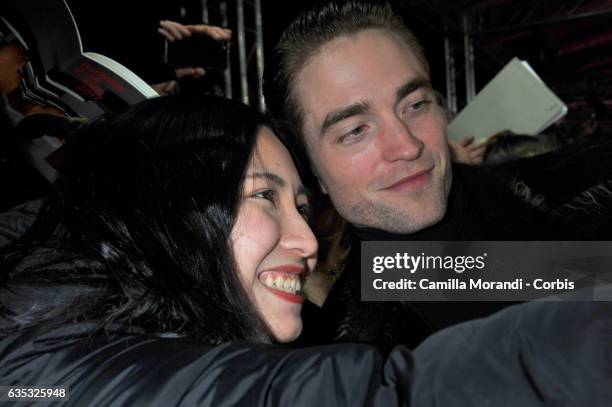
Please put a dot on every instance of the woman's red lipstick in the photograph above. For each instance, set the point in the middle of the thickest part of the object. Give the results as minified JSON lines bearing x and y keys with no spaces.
{"x":294,"y":298}
{"x":283,"y":272}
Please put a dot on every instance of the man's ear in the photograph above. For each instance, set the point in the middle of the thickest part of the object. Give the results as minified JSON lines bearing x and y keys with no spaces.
{"x":323,"y":189}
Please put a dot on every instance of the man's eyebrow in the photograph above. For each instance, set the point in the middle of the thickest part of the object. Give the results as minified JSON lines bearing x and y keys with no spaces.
{"x":270,"y":177}
{"x":410,"y":87}
{"x":343,"y":113}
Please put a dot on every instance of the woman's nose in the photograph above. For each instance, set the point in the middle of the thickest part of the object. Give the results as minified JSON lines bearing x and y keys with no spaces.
{"x":298,"y":236}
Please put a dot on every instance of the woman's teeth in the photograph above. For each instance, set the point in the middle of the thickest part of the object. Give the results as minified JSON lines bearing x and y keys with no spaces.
{"x":289,"y":284}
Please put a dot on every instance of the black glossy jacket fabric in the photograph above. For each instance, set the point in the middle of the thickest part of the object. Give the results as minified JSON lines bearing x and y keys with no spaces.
{"x":128,"y":370}
{"x":531,"y":354}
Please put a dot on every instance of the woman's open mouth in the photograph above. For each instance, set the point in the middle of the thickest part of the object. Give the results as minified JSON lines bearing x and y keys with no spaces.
{"x":284,"y":282}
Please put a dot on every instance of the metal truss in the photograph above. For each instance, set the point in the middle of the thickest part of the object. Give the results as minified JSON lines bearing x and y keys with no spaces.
{"x":466,"y":25}
{"x":244,"y":16}
{"x":521,"y":15}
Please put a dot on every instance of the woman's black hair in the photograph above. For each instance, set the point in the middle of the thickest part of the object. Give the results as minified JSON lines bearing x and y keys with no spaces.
{"x":137,"y":235}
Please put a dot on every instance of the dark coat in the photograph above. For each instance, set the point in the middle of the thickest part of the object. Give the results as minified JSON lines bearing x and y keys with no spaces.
{"x":532,"y":354}
{"x":128,"y":369}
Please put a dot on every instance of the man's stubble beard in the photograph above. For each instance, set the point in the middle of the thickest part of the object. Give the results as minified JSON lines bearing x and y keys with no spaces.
{"x":378,"y":215}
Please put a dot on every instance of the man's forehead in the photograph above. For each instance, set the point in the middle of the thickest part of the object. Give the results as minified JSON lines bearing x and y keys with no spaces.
{"x":353,"y":69}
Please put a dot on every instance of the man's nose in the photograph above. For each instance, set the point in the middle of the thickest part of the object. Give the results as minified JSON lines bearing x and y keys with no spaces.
{"x":398,"y":142}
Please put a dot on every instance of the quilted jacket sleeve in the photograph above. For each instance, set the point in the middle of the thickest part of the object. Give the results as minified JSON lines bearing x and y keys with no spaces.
{"x":140,"y":370}
{"x":531,"y":354}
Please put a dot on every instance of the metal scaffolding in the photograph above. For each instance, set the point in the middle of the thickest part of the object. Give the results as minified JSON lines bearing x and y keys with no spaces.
{"x":246,"y":63}
{"x":464,"y":26}
{"x":458,"y":46}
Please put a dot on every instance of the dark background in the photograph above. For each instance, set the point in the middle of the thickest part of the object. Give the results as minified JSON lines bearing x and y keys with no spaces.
{"x":568,"y":43}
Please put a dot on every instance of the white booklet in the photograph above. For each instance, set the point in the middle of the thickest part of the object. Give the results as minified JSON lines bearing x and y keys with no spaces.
{"x":516,"y":99}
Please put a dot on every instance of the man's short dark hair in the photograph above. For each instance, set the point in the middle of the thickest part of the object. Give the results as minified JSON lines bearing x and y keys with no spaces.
{"x":307,"y":34}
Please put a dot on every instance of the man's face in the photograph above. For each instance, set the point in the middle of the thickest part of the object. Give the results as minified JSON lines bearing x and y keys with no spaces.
{"x":374,"y":132}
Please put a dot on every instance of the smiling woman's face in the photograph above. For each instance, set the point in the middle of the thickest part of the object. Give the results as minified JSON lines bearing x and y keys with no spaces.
{"x":272,"y":243}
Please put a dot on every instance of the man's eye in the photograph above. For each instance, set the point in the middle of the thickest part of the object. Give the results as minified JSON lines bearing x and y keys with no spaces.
{"x":353,"y":134}
{"x":267,"y":194}
{"x":417,"y":106}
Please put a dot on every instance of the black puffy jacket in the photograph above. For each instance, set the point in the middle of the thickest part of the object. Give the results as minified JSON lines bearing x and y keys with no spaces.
{"x":125,"y":370}
{"x":531,"y":354}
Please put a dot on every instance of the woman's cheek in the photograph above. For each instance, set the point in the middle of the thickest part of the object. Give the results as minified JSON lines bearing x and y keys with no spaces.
{"x":261,"y":227}
{"x":254,"y":237}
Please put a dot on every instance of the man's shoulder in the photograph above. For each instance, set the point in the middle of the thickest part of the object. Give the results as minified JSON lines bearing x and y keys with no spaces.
{"x":532,"y":354}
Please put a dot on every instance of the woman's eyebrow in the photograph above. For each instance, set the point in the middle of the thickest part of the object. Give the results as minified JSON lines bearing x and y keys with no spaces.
{"x":270,"y":177}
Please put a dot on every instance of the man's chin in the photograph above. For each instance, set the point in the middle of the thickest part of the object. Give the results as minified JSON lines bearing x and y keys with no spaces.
{"x":425,"y":222}
{"x":406,"y":221}
{"x":407,"y":228}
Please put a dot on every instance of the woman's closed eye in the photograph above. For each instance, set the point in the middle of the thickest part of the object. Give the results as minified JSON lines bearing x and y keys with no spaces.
{"x":271,"y":196}
{"x":268,"y":195}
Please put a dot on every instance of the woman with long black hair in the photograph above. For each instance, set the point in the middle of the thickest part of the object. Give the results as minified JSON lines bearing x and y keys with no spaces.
{"x":176,"y":245}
